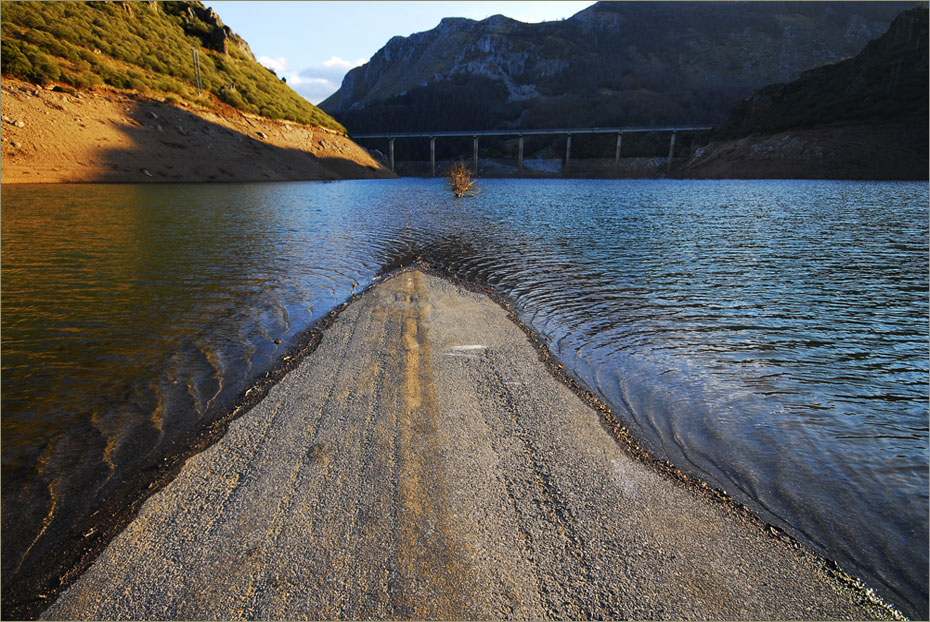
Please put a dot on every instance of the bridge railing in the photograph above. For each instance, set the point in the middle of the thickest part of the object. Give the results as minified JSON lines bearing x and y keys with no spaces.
{"x":521,"y":133}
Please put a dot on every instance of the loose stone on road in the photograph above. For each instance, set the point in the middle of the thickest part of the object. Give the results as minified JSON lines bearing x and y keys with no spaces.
{"x":424,"y":463}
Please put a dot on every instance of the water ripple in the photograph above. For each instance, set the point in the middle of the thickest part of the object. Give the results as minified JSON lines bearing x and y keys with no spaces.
{"x":769,"y":337}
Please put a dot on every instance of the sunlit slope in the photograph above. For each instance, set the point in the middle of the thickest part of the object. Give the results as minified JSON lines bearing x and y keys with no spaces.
{"x":149,"y":48}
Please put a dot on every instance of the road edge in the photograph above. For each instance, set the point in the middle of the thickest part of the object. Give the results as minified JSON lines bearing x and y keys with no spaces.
{"x":120,"y":511}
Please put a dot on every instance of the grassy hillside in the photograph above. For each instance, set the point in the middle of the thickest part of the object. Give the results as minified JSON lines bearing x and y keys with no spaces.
{"x":146,"y":47}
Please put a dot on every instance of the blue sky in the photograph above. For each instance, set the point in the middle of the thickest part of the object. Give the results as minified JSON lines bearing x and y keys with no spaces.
{"x":314,"y":44}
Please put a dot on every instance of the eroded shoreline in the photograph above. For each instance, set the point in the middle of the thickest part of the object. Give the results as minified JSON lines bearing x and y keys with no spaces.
{"x":107,"y":136}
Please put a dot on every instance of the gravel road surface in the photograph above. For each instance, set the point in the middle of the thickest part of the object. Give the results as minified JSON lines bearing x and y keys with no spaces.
{"x":424,"y":463}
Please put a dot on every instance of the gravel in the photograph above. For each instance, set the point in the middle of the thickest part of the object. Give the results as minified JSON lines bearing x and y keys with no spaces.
{"x":424,"y":463}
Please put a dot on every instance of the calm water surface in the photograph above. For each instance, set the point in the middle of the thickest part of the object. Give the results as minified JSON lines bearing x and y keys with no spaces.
{"x":769,"y":337}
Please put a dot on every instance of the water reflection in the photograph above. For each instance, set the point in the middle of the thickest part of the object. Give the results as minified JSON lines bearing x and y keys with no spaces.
{"x":767,"y":336}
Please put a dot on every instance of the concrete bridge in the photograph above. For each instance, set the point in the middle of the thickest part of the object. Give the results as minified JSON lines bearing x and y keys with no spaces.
{"x":674,"y":130}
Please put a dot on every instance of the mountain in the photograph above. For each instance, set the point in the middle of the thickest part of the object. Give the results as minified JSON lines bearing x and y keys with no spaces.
{"x":146,"y":48}
{"x":612,"y":64}
{"x":864,"y":117}
{"x":887,"y":79}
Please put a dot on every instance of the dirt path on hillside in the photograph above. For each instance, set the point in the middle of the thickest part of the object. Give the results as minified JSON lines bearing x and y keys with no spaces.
{"x":107,"y":136}
{"x":422,"y":463}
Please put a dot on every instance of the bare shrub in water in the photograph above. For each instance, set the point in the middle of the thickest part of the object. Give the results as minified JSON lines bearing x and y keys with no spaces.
{"x":460,"y":180}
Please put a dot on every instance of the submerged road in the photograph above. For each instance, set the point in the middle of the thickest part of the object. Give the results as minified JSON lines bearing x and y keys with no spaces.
{"x":424,"y":463}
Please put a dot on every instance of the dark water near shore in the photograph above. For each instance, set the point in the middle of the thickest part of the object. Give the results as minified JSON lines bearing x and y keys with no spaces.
{"x":768,"y":336}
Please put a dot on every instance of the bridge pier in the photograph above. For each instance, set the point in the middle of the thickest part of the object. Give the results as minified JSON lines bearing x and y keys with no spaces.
{"x":522,"y":133}
{"x":671,"y":152}
{"x":568,"y":152}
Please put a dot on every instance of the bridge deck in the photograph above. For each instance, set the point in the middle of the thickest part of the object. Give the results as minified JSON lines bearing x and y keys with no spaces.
{"x":568,"y":131}
{"x":525,"y":132}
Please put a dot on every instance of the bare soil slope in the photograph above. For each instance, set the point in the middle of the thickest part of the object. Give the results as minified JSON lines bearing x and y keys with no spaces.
{"x":107,"y":136}
{"x":893,"y":150}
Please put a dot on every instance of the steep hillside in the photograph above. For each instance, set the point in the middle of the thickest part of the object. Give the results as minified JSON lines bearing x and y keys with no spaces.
{"x":886,"y":80}
{"x":107,"y":91}
{"x":155,"y":49}
{"x":861,"y":118}
{"x":111,"y":136}
{"x":615,"y":63}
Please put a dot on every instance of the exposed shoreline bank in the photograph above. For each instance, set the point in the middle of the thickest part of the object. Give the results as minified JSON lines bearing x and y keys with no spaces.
{"x":892,"y":150}
{"x":52,"y":136}
{"x":288,"y":364}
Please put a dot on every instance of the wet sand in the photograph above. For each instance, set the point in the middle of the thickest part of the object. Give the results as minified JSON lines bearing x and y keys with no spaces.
{"x":424,"y":463}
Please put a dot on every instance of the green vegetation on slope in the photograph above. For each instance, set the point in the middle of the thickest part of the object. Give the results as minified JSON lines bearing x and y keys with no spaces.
{"x":145,"y":47}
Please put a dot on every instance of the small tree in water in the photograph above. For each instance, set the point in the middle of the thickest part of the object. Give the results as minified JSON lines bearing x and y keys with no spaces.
{"x":460,"y":180}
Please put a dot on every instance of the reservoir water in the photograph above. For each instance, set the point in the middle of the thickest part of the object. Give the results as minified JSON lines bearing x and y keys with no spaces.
{"x":769,"y":337}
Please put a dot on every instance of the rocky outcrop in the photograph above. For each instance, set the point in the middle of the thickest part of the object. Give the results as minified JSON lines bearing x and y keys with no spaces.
{"x":204,"y":23}
{"x":615,"y":63}
{"x":198,"y":21}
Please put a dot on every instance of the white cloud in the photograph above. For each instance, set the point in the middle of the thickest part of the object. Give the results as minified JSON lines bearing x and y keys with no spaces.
{"x":315,"y":90}
{"x":279,"y":65}
{"x":333,"y":69}
{"x":319,"y":81}
{"x":337,"y":63}
{"x":316,"y":82}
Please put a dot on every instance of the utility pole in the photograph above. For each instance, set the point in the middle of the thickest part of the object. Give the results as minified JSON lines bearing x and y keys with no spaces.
{"x":432,"y":154}
{"x":671,"y":153}
{"x":568,"y":153}
{"x":197,"y":68}
{"x":893,"y":79}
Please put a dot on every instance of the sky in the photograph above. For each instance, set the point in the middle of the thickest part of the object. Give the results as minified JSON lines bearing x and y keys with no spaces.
{"x":313,"y":44}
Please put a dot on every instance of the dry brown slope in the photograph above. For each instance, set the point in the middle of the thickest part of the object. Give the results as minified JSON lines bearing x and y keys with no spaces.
{"x":107,"y":136}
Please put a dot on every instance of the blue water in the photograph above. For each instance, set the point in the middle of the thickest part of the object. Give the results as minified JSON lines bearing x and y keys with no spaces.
{"x":769,"y":337}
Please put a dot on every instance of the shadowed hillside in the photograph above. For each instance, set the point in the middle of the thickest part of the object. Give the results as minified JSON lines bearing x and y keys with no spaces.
{"x":615,"y":63}
{"x":862,"y":118}
{"x":886,"y":80}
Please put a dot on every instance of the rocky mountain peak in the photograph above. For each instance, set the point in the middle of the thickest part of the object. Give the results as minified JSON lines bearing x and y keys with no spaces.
{"x":204,"y":23}
{"x":614,"y":63}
